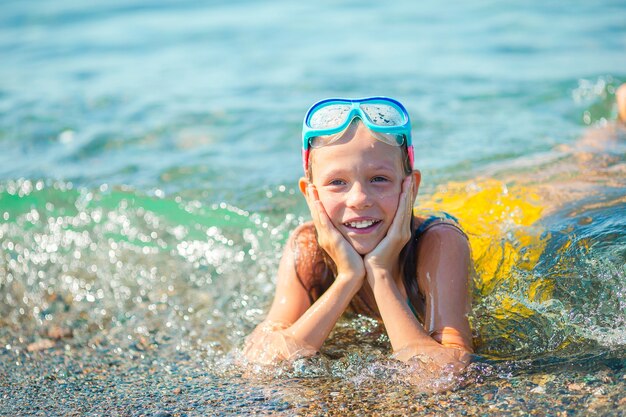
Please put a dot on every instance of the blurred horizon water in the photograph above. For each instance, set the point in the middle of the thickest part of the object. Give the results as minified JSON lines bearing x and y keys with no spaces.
{"x":149,"y":155}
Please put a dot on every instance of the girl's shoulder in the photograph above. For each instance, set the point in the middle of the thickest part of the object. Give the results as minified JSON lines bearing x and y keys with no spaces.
{"x":304,"y":237}
{"x":312,"y":268}
{"x":304,"y":245}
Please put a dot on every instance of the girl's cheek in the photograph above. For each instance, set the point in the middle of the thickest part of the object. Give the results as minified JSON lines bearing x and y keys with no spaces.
{"x":331,"y":198}
{"x":331,"y":204}
{"x":387,"y":195}
{"x":328,"y":199}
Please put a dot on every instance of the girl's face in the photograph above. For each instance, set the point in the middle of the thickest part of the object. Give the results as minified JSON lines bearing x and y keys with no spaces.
{"x":359,"y":180}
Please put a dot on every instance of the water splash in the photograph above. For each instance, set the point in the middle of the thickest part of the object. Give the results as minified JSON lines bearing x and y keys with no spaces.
{"x":118,"y":261}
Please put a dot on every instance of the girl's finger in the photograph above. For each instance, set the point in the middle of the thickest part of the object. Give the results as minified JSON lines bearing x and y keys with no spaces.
{"x":404,"y":223}
{"x":320,"y":217}
{"x":400,"y":218}
{"x":321,"y":211}
{"x":406,"y":194}
{"x":410,"y":196}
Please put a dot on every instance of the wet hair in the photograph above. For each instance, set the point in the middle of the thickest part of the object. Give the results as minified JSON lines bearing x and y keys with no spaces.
{"x":316,"y":271}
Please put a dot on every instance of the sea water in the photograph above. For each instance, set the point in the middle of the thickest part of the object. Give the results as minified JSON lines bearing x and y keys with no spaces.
{"x":149,"y":154}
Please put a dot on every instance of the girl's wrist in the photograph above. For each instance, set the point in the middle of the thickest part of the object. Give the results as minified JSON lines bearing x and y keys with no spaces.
{"x":350,"y":277}
{"x":379,"y":273}
{"x":382,"y":283}
{"x":379,"y":265}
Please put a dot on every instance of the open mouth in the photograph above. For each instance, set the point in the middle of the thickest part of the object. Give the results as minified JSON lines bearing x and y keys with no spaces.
{"x":362,"y":225}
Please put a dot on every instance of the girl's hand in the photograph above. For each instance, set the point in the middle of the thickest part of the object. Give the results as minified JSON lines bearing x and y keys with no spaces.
{"x":435,"y":357}
{"x":434,"y":367}
{"x":386,"y":255}
{"x":348,"y":261}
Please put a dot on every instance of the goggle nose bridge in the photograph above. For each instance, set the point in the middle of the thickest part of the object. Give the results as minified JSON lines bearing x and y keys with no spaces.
{"x":355,"y":112}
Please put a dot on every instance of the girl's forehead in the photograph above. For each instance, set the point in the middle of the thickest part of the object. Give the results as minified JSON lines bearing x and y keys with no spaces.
{"x":370,"y":153}
{"x":355,"y":149}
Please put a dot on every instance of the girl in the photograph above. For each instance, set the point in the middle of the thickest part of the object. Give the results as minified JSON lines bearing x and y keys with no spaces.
{"x":365,"y":248}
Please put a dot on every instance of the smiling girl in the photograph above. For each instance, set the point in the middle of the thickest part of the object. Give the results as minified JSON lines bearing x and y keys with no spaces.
{"x":365,"y":249}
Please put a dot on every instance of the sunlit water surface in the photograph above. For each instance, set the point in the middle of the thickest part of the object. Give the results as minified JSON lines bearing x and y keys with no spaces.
{"x":148,"y":165}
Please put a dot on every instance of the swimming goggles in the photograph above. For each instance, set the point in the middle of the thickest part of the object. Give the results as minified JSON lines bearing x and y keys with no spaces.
{"x":387,"y":118}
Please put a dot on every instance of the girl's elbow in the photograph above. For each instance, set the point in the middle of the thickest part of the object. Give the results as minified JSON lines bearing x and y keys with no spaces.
{"x":452,"y":338}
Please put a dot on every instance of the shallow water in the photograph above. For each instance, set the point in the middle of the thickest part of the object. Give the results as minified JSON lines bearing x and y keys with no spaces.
{"x":148,"y":164}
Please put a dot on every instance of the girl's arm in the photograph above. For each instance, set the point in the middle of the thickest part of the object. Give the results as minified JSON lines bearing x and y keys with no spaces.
{"x":444,"y":267}
{"x":293,"y":327}
{"x":444,"y":275}
{"x":305,"y":327}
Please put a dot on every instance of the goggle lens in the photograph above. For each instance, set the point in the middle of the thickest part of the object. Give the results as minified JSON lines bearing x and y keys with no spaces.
{"x":329,"y":116}
{"x":383,"y":114}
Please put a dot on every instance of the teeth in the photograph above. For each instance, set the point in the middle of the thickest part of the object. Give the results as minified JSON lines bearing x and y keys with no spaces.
{"x":362,"y":224}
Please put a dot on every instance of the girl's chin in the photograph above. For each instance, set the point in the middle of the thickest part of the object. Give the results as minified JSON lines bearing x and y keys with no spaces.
{"x":363,"y":247}
{"x":364,"y":243}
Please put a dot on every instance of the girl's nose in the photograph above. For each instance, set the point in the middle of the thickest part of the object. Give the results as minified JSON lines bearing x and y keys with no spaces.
{"x":358,"y":197}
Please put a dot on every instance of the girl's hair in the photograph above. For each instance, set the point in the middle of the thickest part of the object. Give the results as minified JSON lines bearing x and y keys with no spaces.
{"x":316,"y":271}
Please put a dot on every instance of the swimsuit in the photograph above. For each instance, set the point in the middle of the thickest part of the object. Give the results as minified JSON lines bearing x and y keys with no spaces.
{"x":432,"y":220}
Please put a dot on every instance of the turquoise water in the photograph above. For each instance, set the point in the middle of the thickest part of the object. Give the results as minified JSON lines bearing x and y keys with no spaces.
{"x":149,"y":155}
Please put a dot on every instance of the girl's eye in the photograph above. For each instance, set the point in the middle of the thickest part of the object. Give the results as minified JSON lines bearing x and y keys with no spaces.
{"x":379,"y":179}
{"x":336,"y":182}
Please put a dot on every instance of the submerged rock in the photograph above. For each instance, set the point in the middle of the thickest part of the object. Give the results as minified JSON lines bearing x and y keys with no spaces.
{"x":58,"y":332}
{"x":42,"y":344}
